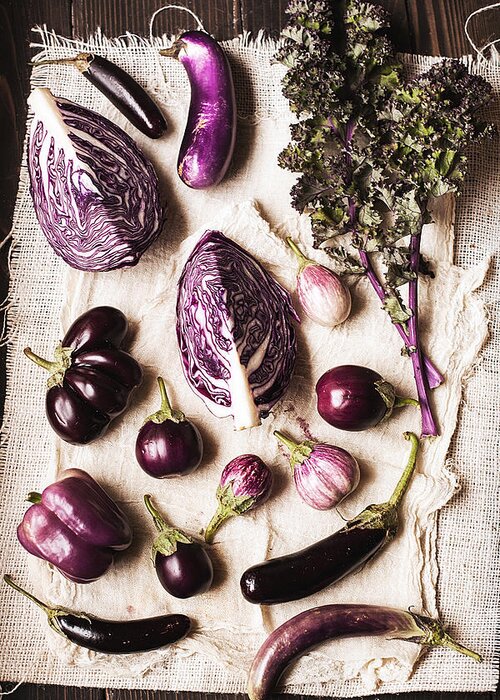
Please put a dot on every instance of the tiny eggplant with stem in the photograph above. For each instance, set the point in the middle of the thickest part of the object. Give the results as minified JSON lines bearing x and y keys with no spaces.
{"x":111,"y":636}
{"x":323,"y":563}
{"x":306,"y":630}
{"x":183,"y":566}
{"x":208,"y":142}
{"x":351,"y":397}
{"x":168,"y":445}
{"x":323,"y":474}
{"x":120,"y":88}
{"x":322,"y":294}
{"x":245,"y":483}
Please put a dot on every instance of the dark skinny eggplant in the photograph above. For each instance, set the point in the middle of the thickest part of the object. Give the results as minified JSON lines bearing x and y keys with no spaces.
{"x":208,"y":142}
{"x":121,"y":89}
{"x":308,"y":629}
{"x":110,"y":636}
{"x":313,"y":568}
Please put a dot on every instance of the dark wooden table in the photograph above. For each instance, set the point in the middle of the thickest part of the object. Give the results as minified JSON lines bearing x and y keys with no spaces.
{"x":418,"y":26}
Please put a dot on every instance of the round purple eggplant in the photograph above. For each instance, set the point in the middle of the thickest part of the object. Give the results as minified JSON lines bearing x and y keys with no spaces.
{"x":208,"y":143}
{"x":167,"y":444}
{"x":355,"y":398}
{"x":245,"y":483}
{"x":182,"y":565}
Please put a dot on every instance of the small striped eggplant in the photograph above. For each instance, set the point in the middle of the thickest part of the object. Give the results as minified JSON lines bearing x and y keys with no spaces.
{"x":306,"y":630}
{"x":323,"y":474}
{"x":300,"y":574}
{"x":322,"y":294}
{"x":245,"y":483}
{"x":120,"y":88}
{"x":208,"y":143}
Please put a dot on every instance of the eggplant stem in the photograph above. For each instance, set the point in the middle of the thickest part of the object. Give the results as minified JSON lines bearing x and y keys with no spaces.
{"x":290,"y":444}
{"x":46,"y":608}
{"x":303,"y":261}
{"x":50,"y":366}
{"x":403,"y":401}
{"x":166,"y":411}
{"x":166,"y":407}
{"x":405,"y":478}
{"x":81,"y":61}
{"x":448,"y":641}
{"x":220,"y":517}
{"x":159,"y":522}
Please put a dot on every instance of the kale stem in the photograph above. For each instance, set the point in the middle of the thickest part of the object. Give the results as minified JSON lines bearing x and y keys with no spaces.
{"x":429,"y":428}
{"x":434,"y":377}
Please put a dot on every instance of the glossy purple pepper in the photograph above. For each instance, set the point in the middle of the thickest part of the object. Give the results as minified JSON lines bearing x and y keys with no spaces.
{"x":91,"y":377}
{"x":209,"y":137}
{"x":245,"y":483}
{"x":351,"y":397}
{"x":167,"y":444}
{"x":182,"y":565}
{"x":74,"y":525}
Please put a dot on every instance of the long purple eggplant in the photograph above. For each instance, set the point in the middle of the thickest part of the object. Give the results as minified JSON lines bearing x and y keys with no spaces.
{"x":121,"y":89}
{"x":308,"y":629}
{"x":208,"y":142}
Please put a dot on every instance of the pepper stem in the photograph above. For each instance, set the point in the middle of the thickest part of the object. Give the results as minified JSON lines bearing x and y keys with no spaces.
{"x":221,"y":515}
{"x":46,"y":608}
{"x":159,"y":522}
{"x":34,"y":497}
{"x":41,"y":362}
{"x":404,"y":481}
{"x":303,"y":261}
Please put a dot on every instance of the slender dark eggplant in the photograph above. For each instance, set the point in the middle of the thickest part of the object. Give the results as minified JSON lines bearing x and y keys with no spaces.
{"x":91,"y":377}
{"x":112,"y":636}
{"x":308,"y":629}
{"x":309,"y":570}
{"x":120,"y":88}
{"x":168,"y":445}
{"x":182,"y":565}
{"x":208,"y":142}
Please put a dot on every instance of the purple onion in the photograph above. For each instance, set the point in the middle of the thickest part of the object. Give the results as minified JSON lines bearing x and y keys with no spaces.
{"x":322,"y":294}
{"x":323,"y":474}
{"x":167,"y":444}
{"x":355,"y":398}
{"x":244,"y":484}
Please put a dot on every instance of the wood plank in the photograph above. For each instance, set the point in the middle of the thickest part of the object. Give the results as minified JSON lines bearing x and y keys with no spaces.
{"x":30,"y":691}
{"x":220,"y":17}
{"x":185,"y":695}
{"x":437,"y":26}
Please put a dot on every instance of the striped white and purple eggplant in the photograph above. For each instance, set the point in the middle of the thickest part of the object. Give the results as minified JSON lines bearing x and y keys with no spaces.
{"x":208,"y":142}
{"x":306,"y":630}
{"x":96,"y":196}
{"x":323,"y":474}
{"x":245,"y":483}
{"x":322,"y":294}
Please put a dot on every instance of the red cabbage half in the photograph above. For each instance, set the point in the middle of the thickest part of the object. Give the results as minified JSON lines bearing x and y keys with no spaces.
{"x":234,"y":330}
{"x":95,"y":194}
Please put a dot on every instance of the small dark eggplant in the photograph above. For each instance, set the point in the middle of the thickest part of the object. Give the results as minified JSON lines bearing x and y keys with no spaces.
{"x":121,"y":89}
{"x":306,"y":630}
{"x":313,"y":568}
{"x":112,"y":636}
{"x":167,"y":444}
{"x":355,"y":398}
{"x":208,"y":143}
{"x":183,"y":566}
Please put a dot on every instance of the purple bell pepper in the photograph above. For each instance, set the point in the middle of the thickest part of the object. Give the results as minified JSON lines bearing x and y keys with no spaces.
{"x":74,"y":525}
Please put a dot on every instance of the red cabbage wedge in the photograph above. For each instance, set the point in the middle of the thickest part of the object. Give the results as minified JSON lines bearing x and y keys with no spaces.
{"x":235,"y":332}
{"x":95,"y":195}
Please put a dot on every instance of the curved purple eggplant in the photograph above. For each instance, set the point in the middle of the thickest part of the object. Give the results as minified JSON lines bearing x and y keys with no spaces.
{"x":308,"y":629}
{"x":208,"y":142}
